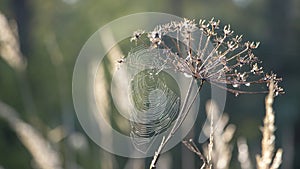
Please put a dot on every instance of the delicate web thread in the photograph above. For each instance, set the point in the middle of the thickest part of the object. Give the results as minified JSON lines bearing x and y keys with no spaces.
{"x":155,"y":100}
{"x":156,"y":105}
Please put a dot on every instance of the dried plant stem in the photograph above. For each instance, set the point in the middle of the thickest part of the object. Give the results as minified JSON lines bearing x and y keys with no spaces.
{"x":266,"y":161}
{"x":182,"y":115}
{"x":243,"y":154}
{"x":211,"y":142}
{"x":192,"y":147}
{"x":43,"y":154}
{"x":218,"y":151}
{"x":277,"y":159}
{"x":11,"y":53}
{"x":10,"y":46}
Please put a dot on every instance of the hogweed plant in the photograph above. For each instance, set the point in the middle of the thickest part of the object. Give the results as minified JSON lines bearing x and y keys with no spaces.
{"x":229,"y":61}
{"x":210,"y":54}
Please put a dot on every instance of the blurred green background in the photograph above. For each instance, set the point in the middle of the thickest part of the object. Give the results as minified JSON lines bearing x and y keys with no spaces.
{"x":42,"y":94}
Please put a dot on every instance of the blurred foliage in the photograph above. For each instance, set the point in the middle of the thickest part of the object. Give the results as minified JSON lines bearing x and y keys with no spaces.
{"x":69,"y":23}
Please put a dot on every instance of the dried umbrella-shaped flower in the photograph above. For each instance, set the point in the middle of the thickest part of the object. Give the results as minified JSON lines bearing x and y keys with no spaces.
{"x":209,"y":54}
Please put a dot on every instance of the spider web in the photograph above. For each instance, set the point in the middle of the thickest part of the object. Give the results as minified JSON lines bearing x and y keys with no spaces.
{"x":156,"y":104}
{"x":154,"y":96}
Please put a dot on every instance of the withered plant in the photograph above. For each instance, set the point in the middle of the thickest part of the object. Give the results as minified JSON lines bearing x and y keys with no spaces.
{"x":210,"y":53}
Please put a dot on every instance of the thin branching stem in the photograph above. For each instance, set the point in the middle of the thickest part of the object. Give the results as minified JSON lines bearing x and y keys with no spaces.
{"x":237,"y":91}
{"x":178,"y":122}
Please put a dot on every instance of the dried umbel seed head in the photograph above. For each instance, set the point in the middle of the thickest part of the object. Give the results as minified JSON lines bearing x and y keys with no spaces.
{"x":210,"y":53}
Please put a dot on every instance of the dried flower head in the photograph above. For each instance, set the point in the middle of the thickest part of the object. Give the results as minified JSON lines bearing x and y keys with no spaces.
{"x":211,"y":54}
{"x":137,"y":35}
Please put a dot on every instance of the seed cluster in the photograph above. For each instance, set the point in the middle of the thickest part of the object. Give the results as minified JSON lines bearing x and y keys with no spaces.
{"x":209,"y":53}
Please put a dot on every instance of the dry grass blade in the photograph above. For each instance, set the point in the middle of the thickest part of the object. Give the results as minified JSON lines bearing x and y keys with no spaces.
{"x":9,"y":46}
{"x":10,"y":52}
{"x":43,"y":154}
{"x":267,"y":160}
{"x":243,"y":154}
{"x":223,"y":132}
{"x":211,"y":141}
{"x":218,"y":152}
